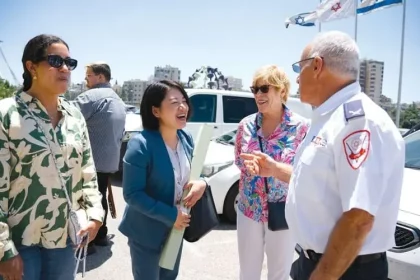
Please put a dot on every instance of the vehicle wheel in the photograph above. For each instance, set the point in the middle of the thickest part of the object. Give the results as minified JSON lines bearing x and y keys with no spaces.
{"x":231,"y":202}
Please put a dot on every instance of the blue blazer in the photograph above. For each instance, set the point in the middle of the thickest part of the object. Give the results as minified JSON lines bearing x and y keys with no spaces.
{"x":148,"y":188}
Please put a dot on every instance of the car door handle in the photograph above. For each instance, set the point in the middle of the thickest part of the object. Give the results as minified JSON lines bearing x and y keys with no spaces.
{"x":216,"y":126}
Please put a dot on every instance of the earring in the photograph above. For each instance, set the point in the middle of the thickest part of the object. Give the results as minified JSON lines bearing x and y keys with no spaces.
{"x":34,"y":78}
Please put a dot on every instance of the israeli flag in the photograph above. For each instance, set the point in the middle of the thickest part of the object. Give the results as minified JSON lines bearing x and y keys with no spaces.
{"x":303,"y":19}
{"x":330,"y":10}
{"x":367,"y":6}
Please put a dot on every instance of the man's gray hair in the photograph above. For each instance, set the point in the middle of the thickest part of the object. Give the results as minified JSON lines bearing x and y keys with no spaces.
{"x":339,"y":51}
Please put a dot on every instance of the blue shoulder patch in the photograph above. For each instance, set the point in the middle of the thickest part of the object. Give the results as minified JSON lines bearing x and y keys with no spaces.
{"x":353,"y":109}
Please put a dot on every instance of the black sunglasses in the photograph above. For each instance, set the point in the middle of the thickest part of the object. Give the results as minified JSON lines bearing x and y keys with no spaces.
{"x":263,"y":89}
{"x":57,"y":61}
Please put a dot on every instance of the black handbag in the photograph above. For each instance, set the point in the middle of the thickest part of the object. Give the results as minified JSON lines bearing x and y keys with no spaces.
{"x":204,"y":217}
{"x":276,"y":210}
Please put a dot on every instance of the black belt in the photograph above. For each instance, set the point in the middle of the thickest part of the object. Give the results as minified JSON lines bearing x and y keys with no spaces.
{"x":315,"y":257}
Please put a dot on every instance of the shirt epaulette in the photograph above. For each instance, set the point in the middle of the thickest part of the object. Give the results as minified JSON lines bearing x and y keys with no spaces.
{"x":353,"y":109}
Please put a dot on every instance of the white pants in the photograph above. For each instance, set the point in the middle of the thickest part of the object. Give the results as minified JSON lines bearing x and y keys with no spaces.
{"x":253,"y":239}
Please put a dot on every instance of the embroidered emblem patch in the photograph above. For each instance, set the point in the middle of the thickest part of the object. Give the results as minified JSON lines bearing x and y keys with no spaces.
{"x":356,"y":146}
{"x":318,"y":141}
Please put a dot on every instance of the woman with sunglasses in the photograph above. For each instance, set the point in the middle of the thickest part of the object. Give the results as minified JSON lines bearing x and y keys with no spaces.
{"x":46,"y":168}
{"x":276,"y":131}
{"x":157,"y":168}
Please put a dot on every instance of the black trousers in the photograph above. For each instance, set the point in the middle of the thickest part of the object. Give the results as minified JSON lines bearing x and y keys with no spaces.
{"x":373,"y":270}
{"x":103,"y":188}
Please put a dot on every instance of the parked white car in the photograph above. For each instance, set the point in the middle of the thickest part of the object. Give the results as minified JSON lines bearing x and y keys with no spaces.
{"x":208,"y":106}
{"x":224,"y":109}
{"x":403,"y":130}
{"x":404,"y":258}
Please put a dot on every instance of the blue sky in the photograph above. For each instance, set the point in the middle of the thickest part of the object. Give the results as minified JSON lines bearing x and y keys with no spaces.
{"x":237,"y":36}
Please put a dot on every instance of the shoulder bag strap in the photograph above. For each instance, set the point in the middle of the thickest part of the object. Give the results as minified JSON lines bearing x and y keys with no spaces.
{"x":53,"y":155}
{"x":257,"y":127}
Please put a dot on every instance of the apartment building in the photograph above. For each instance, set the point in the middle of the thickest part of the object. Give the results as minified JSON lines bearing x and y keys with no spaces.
{"x":168,"y":72}
{"x":371,"y":77}
{"x":75,"y":89}
{"x":235,"y":83}
{"x":134,"y":90}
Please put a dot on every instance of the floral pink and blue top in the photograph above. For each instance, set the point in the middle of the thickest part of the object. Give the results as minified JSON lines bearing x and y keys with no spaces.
{"x":281,"y":145}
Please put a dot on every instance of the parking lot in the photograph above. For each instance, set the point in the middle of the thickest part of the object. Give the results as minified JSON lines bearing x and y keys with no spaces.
{"x":212,"y":258}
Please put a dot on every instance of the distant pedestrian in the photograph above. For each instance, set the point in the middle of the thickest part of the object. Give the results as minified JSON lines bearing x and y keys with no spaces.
{"x":104,"y":112}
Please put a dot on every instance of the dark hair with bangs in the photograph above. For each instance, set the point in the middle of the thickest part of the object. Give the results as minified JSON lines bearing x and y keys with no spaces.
{"x":153,"y":97}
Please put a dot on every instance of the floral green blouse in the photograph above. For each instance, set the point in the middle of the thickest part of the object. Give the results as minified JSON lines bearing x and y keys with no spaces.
{"x":33,"y":205}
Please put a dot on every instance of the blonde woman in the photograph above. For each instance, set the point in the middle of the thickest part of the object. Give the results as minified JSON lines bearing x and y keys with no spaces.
{"x":276,"y":131}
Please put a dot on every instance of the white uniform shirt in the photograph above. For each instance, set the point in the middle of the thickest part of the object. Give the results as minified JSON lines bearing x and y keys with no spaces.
{"x":352,"y":157}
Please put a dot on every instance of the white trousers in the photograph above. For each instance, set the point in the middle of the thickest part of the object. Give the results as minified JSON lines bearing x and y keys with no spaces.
{"x":253,"y":239}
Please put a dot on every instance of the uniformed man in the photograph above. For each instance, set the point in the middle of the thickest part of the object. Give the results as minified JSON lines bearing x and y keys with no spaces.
{"x":345,"y":185}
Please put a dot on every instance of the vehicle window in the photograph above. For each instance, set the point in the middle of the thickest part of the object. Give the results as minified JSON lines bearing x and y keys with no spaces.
{"x":227,"y":138}
{"x":403,"y":131}
{"x":411,"y":130}
{"x":412,"y":150}
{"x":203,"y":108}
{"x":236,"y":108}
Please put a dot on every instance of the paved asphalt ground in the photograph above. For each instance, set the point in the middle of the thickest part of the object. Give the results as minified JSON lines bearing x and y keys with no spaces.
{"x":212,"y":258}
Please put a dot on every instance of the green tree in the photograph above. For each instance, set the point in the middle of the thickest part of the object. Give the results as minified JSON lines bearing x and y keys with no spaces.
{"x":410,"y":116}
{"x":6,"y":89}
{"x":129,"y":92}
{"x":392,"y":112}
{"x":123,"y":95}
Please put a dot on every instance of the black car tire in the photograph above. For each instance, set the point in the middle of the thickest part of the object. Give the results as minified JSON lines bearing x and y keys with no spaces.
{"x":229,"y":205}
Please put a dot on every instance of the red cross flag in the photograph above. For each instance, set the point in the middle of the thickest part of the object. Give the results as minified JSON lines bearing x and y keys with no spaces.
{"x":336,"y":9}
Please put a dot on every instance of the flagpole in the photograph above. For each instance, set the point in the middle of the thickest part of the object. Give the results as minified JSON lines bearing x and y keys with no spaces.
{"x":397,"y":120}
{"x":319,"y":23}
{"x":355,"y":21}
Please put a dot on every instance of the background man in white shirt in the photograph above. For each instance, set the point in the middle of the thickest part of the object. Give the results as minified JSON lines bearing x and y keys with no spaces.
{"x":345,"y":185}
